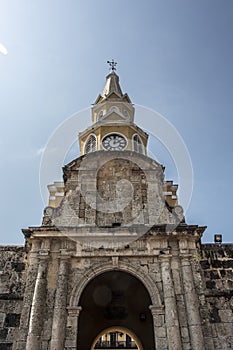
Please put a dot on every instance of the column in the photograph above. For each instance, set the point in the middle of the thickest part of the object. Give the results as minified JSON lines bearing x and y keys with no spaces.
{"x":60,"y":312}
{"x":192,"y":305}
{"x":171,"y":316}
{"x":160,"y":334}
{"x":72,"y":328}
{"x":20,"y":343}
{"x":37,"y":309}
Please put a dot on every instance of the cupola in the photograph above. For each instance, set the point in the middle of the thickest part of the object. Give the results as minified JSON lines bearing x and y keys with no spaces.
{"x":113,"y":127}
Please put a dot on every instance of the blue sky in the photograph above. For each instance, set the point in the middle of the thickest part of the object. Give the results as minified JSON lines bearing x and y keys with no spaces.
{"x":174,"y":56}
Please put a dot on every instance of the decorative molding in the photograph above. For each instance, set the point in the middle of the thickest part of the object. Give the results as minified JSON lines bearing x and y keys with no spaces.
{"x":137,"y":272}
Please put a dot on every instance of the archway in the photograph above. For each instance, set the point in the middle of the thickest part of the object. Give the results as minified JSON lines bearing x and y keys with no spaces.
{"x":124,"y":339}
{"x":115,"y":300}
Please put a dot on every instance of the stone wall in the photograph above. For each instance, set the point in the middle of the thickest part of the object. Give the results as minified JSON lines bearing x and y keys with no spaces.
{"x":217,"y":270}
{"x":12,"y":281}
{"x":213,"y":279}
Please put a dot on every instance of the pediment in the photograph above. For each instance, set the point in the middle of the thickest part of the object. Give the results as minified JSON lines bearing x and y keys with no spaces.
{"x":114,"y":116}
{"x":113,"y":95}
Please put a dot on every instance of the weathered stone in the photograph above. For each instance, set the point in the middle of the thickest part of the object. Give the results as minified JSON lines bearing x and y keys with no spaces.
{"x":12,"y":320}
{"x":114,"y":253}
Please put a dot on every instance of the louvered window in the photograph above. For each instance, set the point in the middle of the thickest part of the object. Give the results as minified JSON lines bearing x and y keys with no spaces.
{"x":137,"y":144}
{"x":91,"y":144}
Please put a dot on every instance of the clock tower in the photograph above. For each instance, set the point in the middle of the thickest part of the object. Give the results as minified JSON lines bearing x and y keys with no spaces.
{"x":113,"y":126}
{"x":114,"y":263}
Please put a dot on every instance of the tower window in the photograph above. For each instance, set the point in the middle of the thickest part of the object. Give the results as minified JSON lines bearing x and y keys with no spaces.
{"x":91,"y":144}
{"x":100,"y":115}
{"x":114,"y":109}
{"x":137,"y":144}
{"x":126,"y":114}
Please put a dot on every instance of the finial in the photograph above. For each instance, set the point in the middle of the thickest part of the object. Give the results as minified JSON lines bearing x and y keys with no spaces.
{"x":112,"y":64}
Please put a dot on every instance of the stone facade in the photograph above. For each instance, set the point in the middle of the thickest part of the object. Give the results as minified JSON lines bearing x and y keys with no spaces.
{"x":114,"y":253}
{"x":190,"y":288}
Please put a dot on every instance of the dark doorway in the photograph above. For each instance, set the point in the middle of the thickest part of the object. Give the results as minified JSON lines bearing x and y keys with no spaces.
{"x":115,"y":299}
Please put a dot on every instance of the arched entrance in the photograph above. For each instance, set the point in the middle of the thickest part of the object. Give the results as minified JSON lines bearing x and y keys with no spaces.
{"x":118,"y":337}
{"x":115,"y":300}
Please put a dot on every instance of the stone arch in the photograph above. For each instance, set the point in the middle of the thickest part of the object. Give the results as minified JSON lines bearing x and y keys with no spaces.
{"x":137,"y":272}
{"x":137,"y":144}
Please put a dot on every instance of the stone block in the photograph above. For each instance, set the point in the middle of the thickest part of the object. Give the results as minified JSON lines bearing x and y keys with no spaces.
{"x":161,"y":332}
{"x":6,"y":346}
{"x":2,"y":319}
{"x":182,"y":313}
{"x":70,"y":344}
{"x":184,"y":334}
{"x":44,"y":345}
{"x":162,"y":344}
{"x":208,"y":343}
{"x":214,"y":315}
{"x":224,"y":329}
{"x":3,"y":334}
{"x":12,"y":334}
{"x":158,"y":320}
{"x":226,"y":315}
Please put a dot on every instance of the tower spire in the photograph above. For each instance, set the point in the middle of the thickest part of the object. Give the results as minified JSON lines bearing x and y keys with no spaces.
{"x":112,"y":89}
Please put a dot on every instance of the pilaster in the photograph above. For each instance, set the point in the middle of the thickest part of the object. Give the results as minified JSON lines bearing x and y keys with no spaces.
{"x":171,"y":315}
{"x":20,"y":343}
{"x":60,"y":312}
{"x":72,"y":328}
{"x":192,"y":305}
{"x":37,"y":309}
{"x":160,"y":333}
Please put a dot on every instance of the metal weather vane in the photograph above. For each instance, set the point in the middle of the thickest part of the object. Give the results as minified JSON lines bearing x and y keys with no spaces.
{"x":112,"y":64}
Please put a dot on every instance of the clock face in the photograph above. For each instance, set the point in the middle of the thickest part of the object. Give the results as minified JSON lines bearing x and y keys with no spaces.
{"x":114,"y":142}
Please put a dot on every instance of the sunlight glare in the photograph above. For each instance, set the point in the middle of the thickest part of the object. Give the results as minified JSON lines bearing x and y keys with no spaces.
{"x":3,"y":49}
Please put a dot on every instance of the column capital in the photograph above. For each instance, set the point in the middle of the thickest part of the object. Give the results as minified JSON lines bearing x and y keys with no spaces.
{"x":185,"y":258}
{"x":157,"y":310}
{"x":165,"y":257}
{"x":43,"y":254}
{"x":64,"y":257}
{"x":66,"y":252}
{"x":74,"y":310}
{"x":186,"y":255}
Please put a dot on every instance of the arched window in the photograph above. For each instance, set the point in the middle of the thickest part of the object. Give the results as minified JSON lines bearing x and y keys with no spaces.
{"x":100,"y":115}
{"x":137,"y":144}
{"x":91,"y":144}
{"x":126,"y":114}
{"x":114,"y":109}
{"x":116,"y":339}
